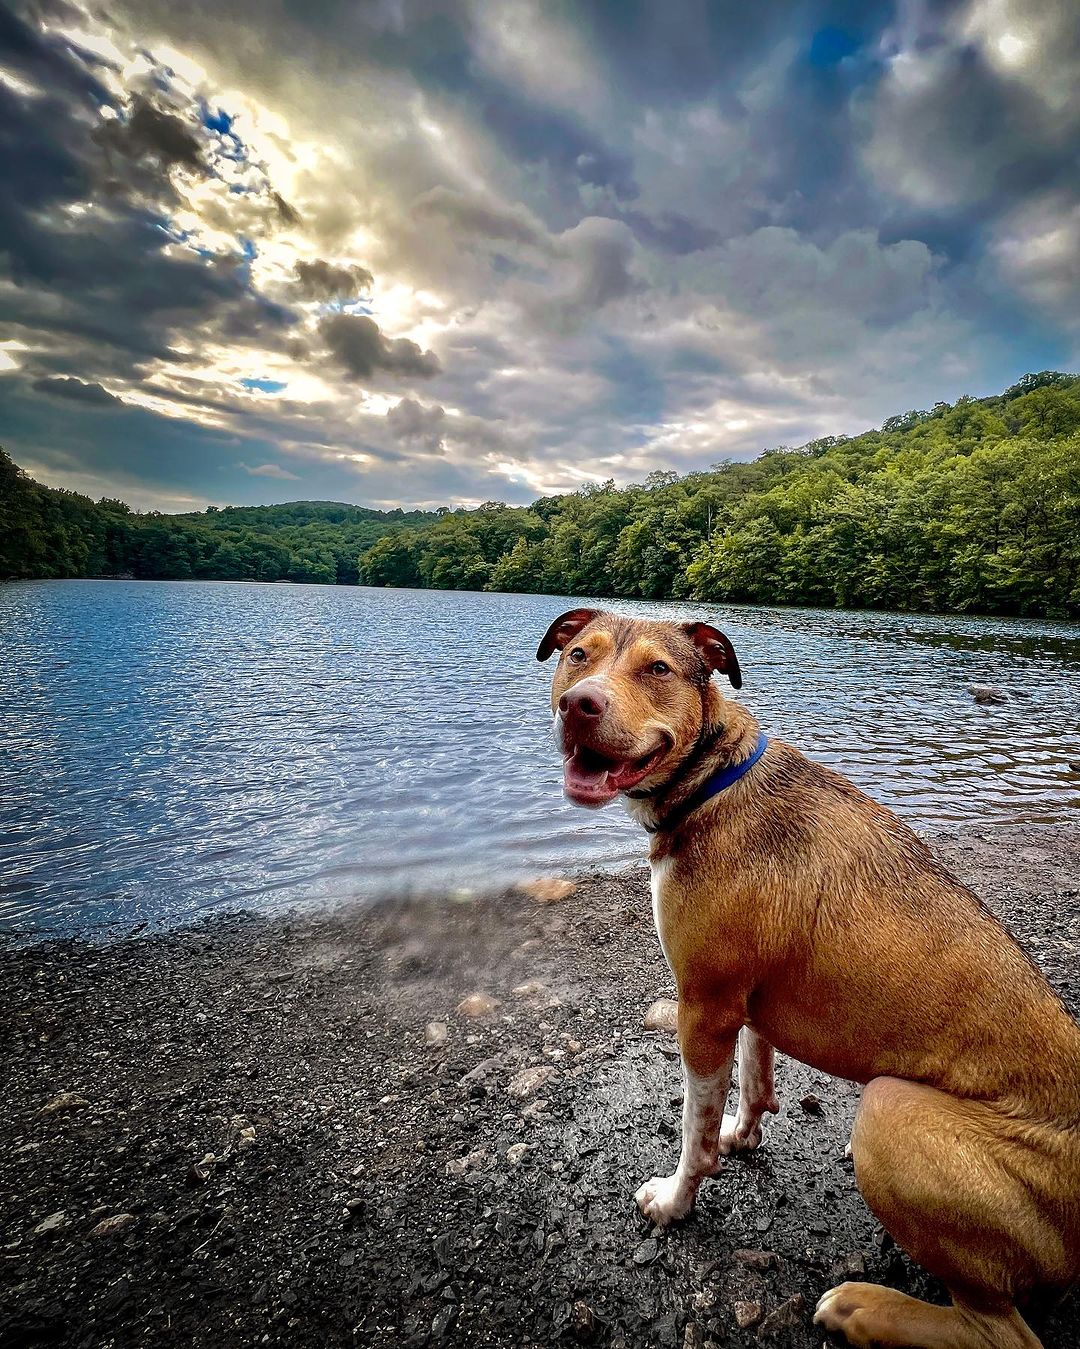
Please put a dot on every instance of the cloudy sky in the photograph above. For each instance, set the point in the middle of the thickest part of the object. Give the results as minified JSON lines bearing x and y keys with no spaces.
{"x":447,"y":251}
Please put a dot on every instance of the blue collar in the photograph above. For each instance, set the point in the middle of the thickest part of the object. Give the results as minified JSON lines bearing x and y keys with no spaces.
{"x":713,"y":786}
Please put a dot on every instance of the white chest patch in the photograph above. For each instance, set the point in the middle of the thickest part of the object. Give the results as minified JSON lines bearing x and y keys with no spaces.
{"x":659,"y":873}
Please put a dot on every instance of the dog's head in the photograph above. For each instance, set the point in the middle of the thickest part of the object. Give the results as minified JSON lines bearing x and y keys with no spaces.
{"x":629,"y":697}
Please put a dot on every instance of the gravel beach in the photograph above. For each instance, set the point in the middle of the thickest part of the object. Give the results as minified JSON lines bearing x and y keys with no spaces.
{"x":424,"y":1123}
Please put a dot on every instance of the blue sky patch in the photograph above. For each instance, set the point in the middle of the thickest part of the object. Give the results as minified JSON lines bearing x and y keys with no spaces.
{"x":265,"y":385}
{"x":830,"y":45}
{"x":219,"y":121}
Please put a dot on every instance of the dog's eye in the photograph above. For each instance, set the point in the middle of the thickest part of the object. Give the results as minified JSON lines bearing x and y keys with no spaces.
{"x":578,"y":655}
{"x":659,"y":667}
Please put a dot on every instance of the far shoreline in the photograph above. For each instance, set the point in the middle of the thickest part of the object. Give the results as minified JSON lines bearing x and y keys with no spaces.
{"x":600,"y":600}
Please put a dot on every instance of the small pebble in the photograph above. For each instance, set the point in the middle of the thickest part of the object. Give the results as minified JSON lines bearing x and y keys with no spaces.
{"x":548,"y":889}
{"x":760,"y":1260}
{"x":784,"y":1317}
{"x":55,"y":1222}
{"x":111,"y":1227}
{"x":748,"y":1314}
{"x":529,"y":1080}
{"x":663,"y":1015}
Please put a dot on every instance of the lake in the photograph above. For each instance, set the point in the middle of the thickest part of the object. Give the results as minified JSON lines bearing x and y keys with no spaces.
{"x":172,"y":748}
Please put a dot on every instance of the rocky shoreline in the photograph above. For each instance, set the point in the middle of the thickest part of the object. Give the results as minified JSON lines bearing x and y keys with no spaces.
{"x":423,"y":1124}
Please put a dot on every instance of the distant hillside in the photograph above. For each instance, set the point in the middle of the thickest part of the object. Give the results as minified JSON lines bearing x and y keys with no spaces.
{"x":48,"y":532}
{"x":292,"y":513}
{"x":972,"y":506}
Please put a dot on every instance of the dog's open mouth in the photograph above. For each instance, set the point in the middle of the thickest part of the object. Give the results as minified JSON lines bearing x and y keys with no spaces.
{"x":592,"y":779}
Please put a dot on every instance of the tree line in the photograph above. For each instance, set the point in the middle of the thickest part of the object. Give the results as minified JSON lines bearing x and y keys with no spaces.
{"x":46,"y":532}
{"x":972,"y":506}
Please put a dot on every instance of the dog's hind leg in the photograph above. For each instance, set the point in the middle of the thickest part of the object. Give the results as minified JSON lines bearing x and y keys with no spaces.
{"x":882,"y":1318}
{"x":970,"y":1200}
{"x":741,"y":1132}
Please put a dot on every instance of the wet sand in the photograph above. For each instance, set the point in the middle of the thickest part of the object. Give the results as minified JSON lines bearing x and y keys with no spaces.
{"x":261,"y":1131}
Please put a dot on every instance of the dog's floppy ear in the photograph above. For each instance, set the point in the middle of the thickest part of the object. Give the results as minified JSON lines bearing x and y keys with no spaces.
{"x":718,"y":652}
{"x":565,"y":627}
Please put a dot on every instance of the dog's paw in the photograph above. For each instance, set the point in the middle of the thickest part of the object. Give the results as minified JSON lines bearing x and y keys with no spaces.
{"x":664,"y":1200}
{"x":851,"y":1310}
{"x":739,"y":1135}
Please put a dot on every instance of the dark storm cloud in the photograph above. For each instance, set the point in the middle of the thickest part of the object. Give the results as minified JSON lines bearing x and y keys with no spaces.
{"x":473,"y":215}
{"x":288,"y":215}
{"x":544,"y":136}
{"x":411,"y":421}
{"x":85,"y":238}
{"x":76,"y":391}
{"x":148,"y":132}
{"x":670,"y":232}
{"x":666,"y":56}
{"x":45,"y":58}
{"x":362,"y":350}
{"x":978,"y":137}
{"x":319,"y":280}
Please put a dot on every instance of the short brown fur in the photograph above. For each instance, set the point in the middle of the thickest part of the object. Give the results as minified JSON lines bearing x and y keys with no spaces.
{"x":846,"y":945}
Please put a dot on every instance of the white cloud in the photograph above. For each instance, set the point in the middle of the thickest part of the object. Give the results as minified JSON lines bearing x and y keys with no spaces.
{"x":1037,"y":249}
{"x":269,"y":471}
{"x":526,"y":44}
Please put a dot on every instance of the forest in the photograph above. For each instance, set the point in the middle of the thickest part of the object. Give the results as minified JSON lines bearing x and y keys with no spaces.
{"x":46,"y":532}
{"x":972,"y":506}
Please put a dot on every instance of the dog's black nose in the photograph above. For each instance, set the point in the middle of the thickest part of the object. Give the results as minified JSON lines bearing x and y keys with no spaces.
{"x":585,"y":702}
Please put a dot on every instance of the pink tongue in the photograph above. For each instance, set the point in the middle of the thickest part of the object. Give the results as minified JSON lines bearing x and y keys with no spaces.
{"x":624,"y":772}
{"x":586,"y":781}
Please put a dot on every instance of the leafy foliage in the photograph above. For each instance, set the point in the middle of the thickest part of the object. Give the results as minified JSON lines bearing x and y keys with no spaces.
{"x":45,"y":532}
{"x":972,"y":506}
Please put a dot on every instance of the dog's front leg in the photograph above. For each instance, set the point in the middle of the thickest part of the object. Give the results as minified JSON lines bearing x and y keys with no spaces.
{"x":757,"y":1094}
{"x":706,"y":1059}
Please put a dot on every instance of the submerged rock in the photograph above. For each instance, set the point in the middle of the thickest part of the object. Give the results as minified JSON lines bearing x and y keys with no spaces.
{"x":66,"y":1100}
{"x":533,"y":988}
{"x":55,"y":1222}
{"x":583,"y":1322}
{"x":988,"y":693}
{"x":760,"y":1260}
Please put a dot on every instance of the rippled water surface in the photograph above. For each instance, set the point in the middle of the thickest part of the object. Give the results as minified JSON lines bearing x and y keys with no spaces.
{"x":169,"y":748}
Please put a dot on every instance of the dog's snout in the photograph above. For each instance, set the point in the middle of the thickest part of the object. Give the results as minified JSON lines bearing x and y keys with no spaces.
{"x":590,"y":703}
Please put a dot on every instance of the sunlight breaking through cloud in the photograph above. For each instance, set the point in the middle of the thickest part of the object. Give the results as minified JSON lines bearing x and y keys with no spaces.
{"x":523,"y":254}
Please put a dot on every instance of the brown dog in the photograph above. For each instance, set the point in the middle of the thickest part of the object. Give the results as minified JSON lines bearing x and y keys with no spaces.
{"x":796,"y":912}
